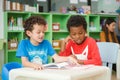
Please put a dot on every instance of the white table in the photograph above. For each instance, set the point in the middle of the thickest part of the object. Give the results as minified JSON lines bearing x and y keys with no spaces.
{"x":84,"y":73}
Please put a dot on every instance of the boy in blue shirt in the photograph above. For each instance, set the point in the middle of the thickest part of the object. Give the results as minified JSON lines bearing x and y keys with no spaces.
{"x":34,"y":51}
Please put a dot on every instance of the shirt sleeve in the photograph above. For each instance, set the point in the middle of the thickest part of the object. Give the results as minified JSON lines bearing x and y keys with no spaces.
{"x":102,"y":37}
{"x":51,"y":50}
{"x":67,"y":50}
{"x":116,"y":38}
{"x":94,"y":55}
{"x":21,"y":51}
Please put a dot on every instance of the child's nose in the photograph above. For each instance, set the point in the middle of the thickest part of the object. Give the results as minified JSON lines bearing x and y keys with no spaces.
{"x":77,"y":36}
{"x":41,"y":33}
{"x":114,"y":27}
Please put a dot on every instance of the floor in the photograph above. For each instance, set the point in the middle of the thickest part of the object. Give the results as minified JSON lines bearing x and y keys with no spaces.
{"x":114,"y":76}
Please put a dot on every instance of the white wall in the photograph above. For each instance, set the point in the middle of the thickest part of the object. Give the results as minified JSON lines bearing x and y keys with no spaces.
{"x":1,"y":33}
{"x":108,"y":6}
{"x":64,"y":3}
{"x":1,"y":20}
{"x":96,"y":6}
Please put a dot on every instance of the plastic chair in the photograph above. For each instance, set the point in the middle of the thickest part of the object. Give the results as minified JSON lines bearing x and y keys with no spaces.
{"x":7,"y":67}
{"x":109,"y":54}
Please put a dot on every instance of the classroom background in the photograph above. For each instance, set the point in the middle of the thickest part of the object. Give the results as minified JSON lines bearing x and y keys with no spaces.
{"x":13,"y":13}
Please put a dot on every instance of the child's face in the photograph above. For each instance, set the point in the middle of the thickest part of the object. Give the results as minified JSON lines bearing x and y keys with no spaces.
{"x":37,"y":34}
{"x":111,"y":27}
{"x":77,"y":34}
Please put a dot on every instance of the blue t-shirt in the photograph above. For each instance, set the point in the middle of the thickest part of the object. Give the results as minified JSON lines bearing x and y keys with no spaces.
{"x":35,"y":53}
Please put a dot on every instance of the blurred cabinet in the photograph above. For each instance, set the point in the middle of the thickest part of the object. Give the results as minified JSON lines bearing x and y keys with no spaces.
{"x":59,"y":29}
{"x":96,"y":22}
{"x":13,"y":26}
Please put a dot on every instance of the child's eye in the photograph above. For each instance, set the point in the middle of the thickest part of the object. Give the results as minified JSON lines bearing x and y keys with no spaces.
{"x":43,"y":32}
{"x":73,"y":34}
{"x":80,"y":33}
{"x":38,"y":32}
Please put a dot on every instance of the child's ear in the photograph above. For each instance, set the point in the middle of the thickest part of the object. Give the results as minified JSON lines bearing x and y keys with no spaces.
{"x":107,"y":25}
{"x":28,"y":33}
{"x":86,"y":34}
{"x":46,"y":27}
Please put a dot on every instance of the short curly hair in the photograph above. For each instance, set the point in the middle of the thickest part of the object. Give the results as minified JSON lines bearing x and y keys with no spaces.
{"x":28,"y":24}
{"x":76,"y":21}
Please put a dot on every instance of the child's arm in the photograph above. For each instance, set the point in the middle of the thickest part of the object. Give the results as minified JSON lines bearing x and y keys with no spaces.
{"x":102,"y":37}
{"x":26,"y":63}
{"x":80,"y":61}
{"x":70,"y":59}
{"x":64,"y":42}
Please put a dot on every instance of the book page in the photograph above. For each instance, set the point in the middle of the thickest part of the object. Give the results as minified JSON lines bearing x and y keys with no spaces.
{"x":56,"y":65}
{"x":66,"y":65}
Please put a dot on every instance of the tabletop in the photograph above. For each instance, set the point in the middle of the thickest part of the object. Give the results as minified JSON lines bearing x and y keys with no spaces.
{"x":85,"y":72}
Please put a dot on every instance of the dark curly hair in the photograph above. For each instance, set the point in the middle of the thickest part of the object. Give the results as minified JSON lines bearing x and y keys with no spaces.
{"x":28,"y":25}
{"x":76,"y":21}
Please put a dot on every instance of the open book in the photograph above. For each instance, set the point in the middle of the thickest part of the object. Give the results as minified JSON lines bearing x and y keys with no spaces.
{"x":56,"y":65}
{"x":65,"y":65}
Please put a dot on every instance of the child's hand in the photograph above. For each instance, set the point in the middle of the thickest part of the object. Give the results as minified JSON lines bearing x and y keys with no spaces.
{"x":38,"y":67}
{"x":74,"y":56}
{"x":73,"y":60}
{"x":78,"y":61}
{"x":67,"y":39}
{"x":64,"y":42}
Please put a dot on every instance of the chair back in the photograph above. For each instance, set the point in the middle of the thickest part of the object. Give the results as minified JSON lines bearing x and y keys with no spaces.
{"x":108,"y":53}
{"x":7,"y":67}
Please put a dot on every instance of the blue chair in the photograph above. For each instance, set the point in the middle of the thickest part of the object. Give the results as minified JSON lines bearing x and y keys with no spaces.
{"x":109,"y":54}
{"x":7,"y":67}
